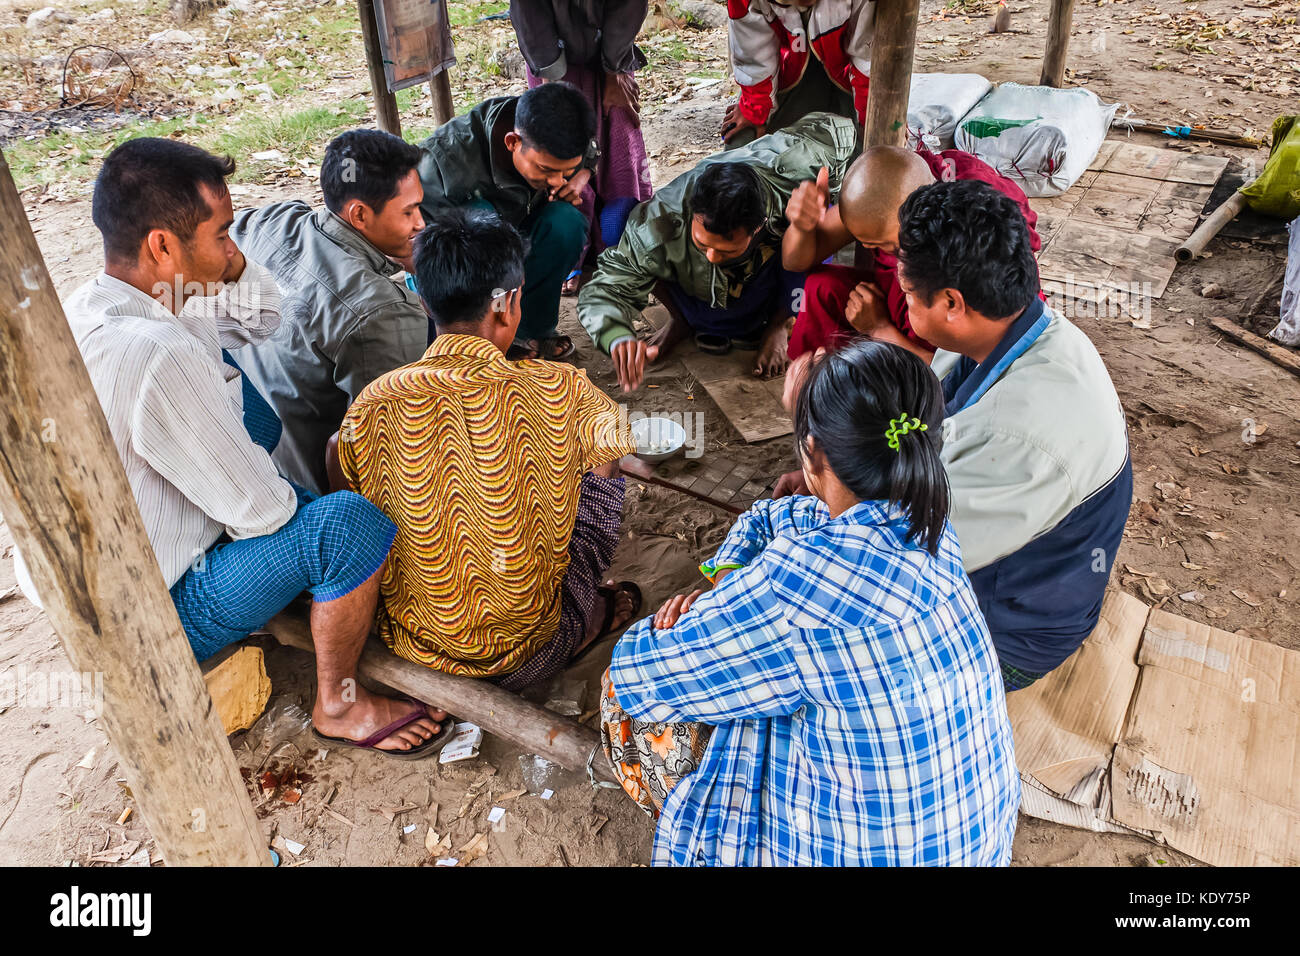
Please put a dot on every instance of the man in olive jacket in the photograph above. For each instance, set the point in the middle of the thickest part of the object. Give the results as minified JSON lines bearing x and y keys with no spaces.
{"x":527,"y":158}
{"x":709,"y":246}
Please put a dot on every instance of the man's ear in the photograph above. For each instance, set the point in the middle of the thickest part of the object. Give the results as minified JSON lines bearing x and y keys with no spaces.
{"x":955,"y":303}
{"x":160,"y":245}
{"x":356,"y":214}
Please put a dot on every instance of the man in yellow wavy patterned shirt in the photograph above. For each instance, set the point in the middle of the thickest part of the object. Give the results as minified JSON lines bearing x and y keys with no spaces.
{"x":501,"y":477}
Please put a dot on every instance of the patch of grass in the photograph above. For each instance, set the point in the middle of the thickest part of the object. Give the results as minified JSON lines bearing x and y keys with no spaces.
{"x":290,"y":133}
{"x":667,"y":50}
{"x":466,"y":14}
{"x":75,"y":156}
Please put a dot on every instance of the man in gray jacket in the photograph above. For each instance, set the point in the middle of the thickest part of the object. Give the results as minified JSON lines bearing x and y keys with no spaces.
{"x":344,"y":321}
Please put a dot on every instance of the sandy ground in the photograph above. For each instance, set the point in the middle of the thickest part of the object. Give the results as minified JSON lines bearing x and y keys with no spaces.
{"x":1222,"y":522}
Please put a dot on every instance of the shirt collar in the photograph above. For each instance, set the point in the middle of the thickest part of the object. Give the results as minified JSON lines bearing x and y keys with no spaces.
{"x":117,"y":287}
{"x":967,"y":376}
{"x":470,"y":346}
{"x":347,"y":237}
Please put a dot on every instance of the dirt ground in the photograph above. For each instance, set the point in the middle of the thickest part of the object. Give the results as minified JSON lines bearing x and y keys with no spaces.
{"x":1214,"y":513}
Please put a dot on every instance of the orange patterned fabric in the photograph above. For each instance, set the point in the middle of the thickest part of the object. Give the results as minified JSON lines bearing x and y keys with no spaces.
{"x":478,"y":462}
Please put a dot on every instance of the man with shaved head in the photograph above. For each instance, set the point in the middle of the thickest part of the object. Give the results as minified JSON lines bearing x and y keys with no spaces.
{"x":841,"y":301}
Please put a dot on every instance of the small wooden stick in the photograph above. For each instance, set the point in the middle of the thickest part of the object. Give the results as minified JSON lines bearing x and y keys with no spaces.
{"x":1270,"y":350}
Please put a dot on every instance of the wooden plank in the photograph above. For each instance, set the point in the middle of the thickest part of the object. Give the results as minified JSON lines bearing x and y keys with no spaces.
{"x":66,"y":500}
{"x":497,"y":711}
{"x":1166,"y":165}
{"x":1278,"y":354}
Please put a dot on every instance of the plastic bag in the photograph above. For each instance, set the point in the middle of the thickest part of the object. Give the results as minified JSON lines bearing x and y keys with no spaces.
{"x":1277,"y":190}
{"x":1038,"y":136}
{"x":937,"y":102}
{"x":1288,"y":328}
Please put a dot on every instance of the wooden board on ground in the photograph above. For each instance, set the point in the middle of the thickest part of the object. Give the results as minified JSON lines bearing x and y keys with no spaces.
{"x":1118,"y":226}
{"x":721,"y":482}
{"x":752,"y":405}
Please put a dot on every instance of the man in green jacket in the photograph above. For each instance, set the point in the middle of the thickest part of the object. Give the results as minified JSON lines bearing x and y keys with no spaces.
{"x":527,"y":158}
{"x":709,"y":246}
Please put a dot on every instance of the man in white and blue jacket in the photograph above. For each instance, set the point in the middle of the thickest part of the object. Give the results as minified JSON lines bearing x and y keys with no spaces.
{"x":1035,"y":442}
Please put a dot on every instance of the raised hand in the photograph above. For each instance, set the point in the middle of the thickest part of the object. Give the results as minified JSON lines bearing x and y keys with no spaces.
{"x":809,"y":202}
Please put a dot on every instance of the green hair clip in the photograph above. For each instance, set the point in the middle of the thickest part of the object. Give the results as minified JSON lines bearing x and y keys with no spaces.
{"x":901,"y":426}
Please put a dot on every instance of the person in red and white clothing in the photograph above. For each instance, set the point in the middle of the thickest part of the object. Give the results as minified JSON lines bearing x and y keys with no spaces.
{"x":793,"y":58}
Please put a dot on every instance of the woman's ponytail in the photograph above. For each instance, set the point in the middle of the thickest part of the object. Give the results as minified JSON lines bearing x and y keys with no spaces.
{"x":876,"y":412}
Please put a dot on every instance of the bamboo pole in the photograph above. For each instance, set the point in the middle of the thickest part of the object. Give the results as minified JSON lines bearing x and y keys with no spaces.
{"x":385,"y":102}
{"x":1194,"y":244}
{"x":893,"y":43}
{"x":66,"y":499}
{"x":1058,"y":40}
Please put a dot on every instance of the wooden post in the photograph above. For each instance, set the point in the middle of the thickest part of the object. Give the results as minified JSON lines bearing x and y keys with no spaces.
{"x":892,"y":44}
{"x":1058,"y":39}
{"x":440,"y":87}
{"x":385,"y":102}
{"x":66,"y":499}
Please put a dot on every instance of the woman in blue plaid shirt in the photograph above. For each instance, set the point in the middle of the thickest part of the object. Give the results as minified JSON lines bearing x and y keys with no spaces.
{"x":835,"y":699}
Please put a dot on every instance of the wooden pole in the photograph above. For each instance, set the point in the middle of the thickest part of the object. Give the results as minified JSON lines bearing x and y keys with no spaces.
{"x":892,"y":44}
{"x":440,"y":87}
{"x":66,"y":499}
{"x":385,"y":102}
{"x":497,"y":711}
{"x":1058,"y":39}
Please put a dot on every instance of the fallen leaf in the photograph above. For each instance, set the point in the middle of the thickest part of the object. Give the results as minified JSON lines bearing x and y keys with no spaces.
{"x":88,"y":762}
{"x":1245,"y":598}
{"x":431,"y":841}
{"x":512,"y":794}
{"x":1215,"y":535}
{"x":1193,"y":567}
{"x":1191,"y":597}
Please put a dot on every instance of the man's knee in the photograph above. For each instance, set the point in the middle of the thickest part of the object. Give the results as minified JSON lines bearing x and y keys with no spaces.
{"x":561,"y":226}
{"x":347,"y":519}
{"x":828,"y":287}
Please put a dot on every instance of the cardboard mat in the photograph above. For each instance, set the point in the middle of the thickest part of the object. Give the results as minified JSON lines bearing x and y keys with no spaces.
{"x":751,"y":404}
{"x":1118,"y":226}
{"x":1179,"y":731}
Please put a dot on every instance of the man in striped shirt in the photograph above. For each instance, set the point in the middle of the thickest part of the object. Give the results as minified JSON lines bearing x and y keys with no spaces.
{"x":235,"y":541}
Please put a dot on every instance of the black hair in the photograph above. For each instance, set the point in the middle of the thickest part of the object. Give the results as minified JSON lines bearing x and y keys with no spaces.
{"x":729,"y":196}
{"x":967,"y":236}
{"x":557,"y":119}
{"x":153,"y":183}
{"x":464,"y":258}
{"x":848,"y":403}
{"x":365,"y":164}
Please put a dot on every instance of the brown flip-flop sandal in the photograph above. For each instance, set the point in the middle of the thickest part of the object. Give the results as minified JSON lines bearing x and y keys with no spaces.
{"x":428,"y":748}
{"x":625,"y":587}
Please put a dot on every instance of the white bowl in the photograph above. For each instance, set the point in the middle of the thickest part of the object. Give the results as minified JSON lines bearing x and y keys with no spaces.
{"x":657,"y":439}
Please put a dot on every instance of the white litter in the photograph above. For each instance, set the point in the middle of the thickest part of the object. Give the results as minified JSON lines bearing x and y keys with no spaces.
{"x":463,"y":745}
{"x":293,"y":846}
{"x":495,"y":814}
{"x":446,"y":861}
{"x":408,"y":828}
{"x":1288,"y":327}
{"x":547,"y":794}
{"x":1040,"y":137}
{"x":937,"y":102}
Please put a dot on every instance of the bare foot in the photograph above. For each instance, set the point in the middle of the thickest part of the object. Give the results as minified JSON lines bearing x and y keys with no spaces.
{"x":570,"y":286}
{"x":370,"y":712}
{"x":773,"y":355}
